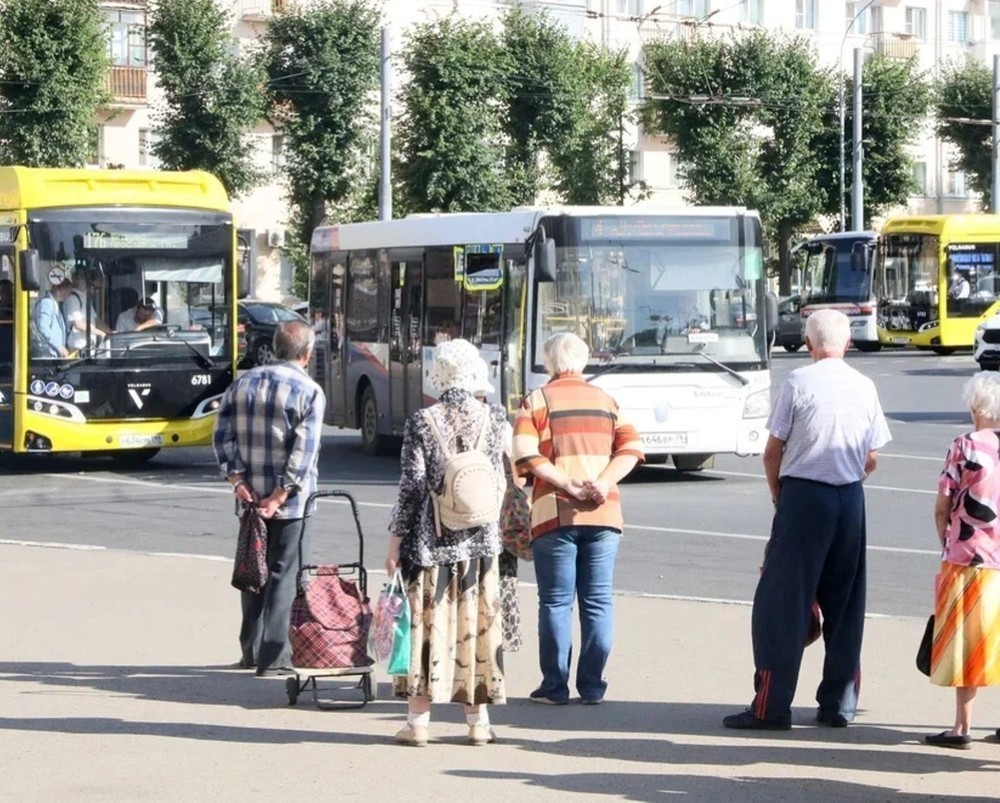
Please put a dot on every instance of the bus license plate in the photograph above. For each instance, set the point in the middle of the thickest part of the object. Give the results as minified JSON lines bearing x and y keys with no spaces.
{"x":139,"y":441}
{"x":901,"y":341}
{"x":664,"y":439}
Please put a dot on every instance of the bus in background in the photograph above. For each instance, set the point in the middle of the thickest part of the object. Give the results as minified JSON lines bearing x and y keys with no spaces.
{"x":671,"y":303}
{"x":936,"y":280}
{"x":153,"y":261}
{"x":837,"y":274}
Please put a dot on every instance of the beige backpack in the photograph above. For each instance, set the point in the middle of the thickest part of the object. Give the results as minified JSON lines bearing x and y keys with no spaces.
{"x":472,"y":490}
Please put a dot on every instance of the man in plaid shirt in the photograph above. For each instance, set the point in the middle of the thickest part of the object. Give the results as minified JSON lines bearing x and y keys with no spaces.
{"x":267,"y":439}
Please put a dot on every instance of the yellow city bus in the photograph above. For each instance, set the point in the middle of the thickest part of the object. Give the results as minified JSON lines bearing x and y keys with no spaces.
{"x":160,"y":241}
{"x":936,"y":279}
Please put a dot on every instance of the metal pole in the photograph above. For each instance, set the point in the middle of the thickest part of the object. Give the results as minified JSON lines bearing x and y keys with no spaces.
{"x":858,"y":194}
{"x":995,"y":190}
{"x":385,"y":151}
{"x":843,"y":162}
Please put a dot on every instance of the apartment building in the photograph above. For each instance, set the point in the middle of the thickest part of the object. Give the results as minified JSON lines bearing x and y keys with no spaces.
{"x":933,"y":30}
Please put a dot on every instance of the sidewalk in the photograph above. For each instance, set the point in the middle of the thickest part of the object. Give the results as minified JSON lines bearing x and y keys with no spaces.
{"x":113,"y":687}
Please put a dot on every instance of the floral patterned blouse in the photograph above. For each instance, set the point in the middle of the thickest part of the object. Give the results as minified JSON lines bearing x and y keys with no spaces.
{"x":971,"y":478}
{"x":459,"y":416}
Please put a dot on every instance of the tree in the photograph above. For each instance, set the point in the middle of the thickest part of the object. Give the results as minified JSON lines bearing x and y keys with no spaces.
{"x":451,"y":154}
{"x":322,"y":64}
{"x":895,"y":101}
{"x":213,"y":98}
{"x":745,"y":114}
{"x":964,"y":93}
{"x":52,"y":68}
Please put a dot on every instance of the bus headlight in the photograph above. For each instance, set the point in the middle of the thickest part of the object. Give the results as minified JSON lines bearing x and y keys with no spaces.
{"x":758,"y":404}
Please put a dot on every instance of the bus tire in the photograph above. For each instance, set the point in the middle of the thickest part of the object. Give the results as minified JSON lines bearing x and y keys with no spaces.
{"x":371,"y":441}
{"x":944,"y":351}
{"x":693,"y":462}
{"x":792,"y":347}
{"x":134,"y":457}
{"x":868,"y":346}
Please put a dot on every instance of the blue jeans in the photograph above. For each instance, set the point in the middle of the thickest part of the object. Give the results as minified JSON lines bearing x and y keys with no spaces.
{"x":580,"y":562}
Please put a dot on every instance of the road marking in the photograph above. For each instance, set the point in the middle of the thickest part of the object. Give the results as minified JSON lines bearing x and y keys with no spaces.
{"x":749,"y":537}
{"x":198,"y":488}
{"x":53,"y":545}
{"x":868,"y":486}
{"x":911,"y":457}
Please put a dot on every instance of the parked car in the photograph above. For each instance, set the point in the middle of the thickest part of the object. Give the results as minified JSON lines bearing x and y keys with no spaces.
{"x":788,"y":335}
{"x":258,"y":321}
{"x":986,"y":346}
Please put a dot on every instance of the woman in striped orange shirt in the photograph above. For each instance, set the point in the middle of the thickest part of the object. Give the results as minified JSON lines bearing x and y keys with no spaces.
{"x":966,"y":646}
{"x":570,"y":436}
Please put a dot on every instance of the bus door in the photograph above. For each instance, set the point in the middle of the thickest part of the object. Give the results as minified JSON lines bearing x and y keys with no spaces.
{"x":333,"y":378}
{"x":6,"y":345}
{"x":406,"y":278}
{"x":482,"y":307}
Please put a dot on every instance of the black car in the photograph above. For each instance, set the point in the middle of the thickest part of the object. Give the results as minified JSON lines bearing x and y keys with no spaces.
{"x":789,"y":331}
{"x":258,"y":321}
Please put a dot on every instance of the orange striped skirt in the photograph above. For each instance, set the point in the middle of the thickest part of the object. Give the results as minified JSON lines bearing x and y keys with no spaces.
{"x":966,"y":649}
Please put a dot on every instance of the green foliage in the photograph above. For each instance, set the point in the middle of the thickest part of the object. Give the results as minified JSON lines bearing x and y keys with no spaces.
{"x":322,"y":63}
{"x":965,"y":91}
{"x":745,"y":114}
{"x":53,"y":63}
{"x":213,"y":98}
{"x":451,"y":132}
{"x":895,"y":99}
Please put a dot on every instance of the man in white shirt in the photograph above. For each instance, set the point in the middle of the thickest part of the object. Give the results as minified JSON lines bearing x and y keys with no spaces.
{"x":826,"y":429}
{"x":959,"y":286}
{"x":75,"y":311}
{"x":143,"y":315}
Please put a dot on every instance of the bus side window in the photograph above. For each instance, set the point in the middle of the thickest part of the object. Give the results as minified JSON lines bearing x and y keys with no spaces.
{"x":6,"y":323}
{"x":481,"y":322}
{"x":442,"y":300}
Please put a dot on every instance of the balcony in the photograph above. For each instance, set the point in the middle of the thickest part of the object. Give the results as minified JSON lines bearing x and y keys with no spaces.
{"x":895,"y":45}
{"x":255,"y":10}
{"x":126,"y":85}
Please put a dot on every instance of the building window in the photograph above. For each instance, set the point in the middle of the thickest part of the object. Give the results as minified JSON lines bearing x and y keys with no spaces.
{"x":670,"y":177}
{"x":995,"y":19}
{"x":638,"y":89}
{"x":634,"y":166}
{"x":630,"y":8}
{"x":958,"y":26}
{"x":916,"y":22}
{"x":277,"y":153}
{"x":875,"y":19}
{"x":751,"y":11}
{"x":144,"y":153}
{"x":694,"y":8}
{"x":805,"y":14}
{"x":855,"y":20}
{"x":954,"y":184}
{"x":96,"y":152}
{"x":127,"y":31}
{"x":919,"y":173}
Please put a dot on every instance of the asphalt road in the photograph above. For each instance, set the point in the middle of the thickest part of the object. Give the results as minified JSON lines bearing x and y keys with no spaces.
{"x":689,"y":535}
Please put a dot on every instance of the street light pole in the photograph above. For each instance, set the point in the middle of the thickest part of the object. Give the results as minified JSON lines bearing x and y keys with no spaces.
{"x":843,"y":115}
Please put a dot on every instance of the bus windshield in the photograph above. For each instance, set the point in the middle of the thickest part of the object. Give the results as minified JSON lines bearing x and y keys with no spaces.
{"x":131,"y":292}
{"x":656,"y":291}
{"x":837,"y":272}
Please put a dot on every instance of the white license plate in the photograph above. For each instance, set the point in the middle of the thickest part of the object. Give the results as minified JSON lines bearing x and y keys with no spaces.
{"x":139,"y":441}
{"x":901,"y":341}
{"x":664,"y":439}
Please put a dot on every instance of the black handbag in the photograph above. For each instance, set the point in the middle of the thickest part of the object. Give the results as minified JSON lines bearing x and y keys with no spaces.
{"x":250,"y":566}
{"x":924,"y":650}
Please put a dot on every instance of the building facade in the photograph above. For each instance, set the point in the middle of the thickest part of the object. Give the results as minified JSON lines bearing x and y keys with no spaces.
{"x":935,"y":31}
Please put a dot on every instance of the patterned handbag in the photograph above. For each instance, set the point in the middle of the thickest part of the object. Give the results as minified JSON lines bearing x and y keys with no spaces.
{"x":250,"y":565}
{"x":330,"y":621}
{"x":515,"y":521}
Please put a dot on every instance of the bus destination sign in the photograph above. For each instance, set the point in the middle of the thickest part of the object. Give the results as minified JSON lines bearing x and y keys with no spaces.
{"x":658,"y":228}
{"x":134,"y":240}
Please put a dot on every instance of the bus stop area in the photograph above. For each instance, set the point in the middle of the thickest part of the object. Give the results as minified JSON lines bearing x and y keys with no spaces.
{"x":115,"y":684}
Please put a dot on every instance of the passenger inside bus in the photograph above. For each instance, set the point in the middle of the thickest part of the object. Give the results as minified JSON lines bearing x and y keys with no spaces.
{"x":959,"y":286}
{"x":6,"y":299}
{"x":48,"y":327}
{"x":87,"y":286}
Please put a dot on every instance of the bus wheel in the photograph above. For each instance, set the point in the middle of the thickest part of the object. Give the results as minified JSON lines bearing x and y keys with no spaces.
{"x":944,"y":351}
{"x":371,"y":441}
{"x":693,"y":462}
{"x":868,"y":346}
{"x":134,"y":457}
{"x":793,"y":347}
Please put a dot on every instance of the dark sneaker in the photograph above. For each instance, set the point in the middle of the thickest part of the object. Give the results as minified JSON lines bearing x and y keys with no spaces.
{"x":832,"y":718}
{"x":538,"y":696}
{"x":952,"y":740}
{"x":746,"y":721}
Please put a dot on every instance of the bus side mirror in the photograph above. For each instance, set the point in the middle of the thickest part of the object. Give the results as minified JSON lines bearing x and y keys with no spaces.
{"x":545,"y":259}
{"x":243,"y":276}
{"x":31,"y":270}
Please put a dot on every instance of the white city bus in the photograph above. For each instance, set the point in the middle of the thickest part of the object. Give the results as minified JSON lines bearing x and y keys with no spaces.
{"x":671,"y":302}
{"x":838,"y":274}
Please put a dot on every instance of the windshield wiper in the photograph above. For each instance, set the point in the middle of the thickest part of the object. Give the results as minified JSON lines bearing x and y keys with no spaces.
{"x":607,"y":368}
{"x":699,"y":353}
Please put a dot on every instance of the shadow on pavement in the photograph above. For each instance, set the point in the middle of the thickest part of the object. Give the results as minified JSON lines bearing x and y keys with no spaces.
{"x":960,"y":418}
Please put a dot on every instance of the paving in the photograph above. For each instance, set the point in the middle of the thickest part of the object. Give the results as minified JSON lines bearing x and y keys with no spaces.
{"x":115,"y":685}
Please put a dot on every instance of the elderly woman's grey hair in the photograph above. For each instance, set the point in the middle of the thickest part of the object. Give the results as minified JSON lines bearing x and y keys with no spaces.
{"x":565,"y":353}
{"x":828,"y":330}
{"x":293,"y":341}
{"x":982,"y":395}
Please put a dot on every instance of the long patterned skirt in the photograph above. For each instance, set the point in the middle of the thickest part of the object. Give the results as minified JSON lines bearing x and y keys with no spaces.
{"x":966,"y":647}
{"x":456,"y":642}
